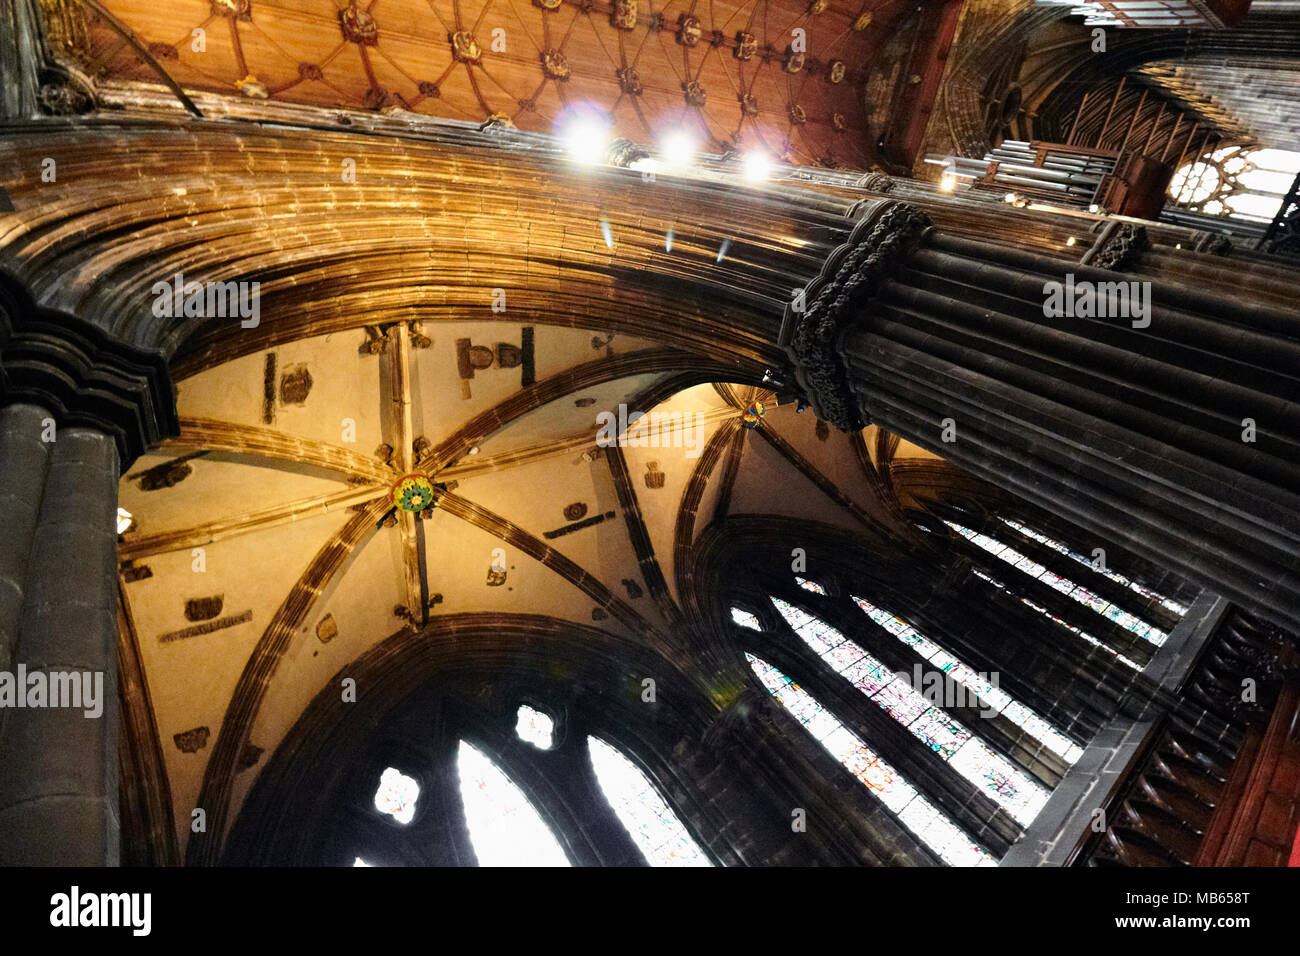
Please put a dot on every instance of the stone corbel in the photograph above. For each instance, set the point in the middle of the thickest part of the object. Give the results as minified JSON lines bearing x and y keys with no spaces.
{"x":816,"y":318}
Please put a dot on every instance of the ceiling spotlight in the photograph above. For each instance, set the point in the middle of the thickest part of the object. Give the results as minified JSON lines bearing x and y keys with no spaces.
{"x":585,"y":139}
{"x":677,"y":149}
{"x":124,"y":521}
{"x":1071,"y":241}
{"x":473,"y":450}
{"x":1010,"y":197}
{"x":757,"y":166}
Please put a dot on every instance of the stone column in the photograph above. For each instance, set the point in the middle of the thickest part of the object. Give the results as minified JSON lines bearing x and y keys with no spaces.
{"x":76,"y":406}
{"x":58,"y":795}
{"x":1174,"y":431}
{"x":24,"y":459}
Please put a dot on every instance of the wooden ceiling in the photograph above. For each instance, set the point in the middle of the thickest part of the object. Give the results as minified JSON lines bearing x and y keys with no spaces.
{"x":785,"y":76}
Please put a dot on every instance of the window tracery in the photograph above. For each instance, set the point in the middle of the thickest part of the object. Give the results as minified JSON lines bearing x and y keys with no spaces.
{"x":397,"y":795}
{"x":1241,"y":182}
{"x":535,"y":727}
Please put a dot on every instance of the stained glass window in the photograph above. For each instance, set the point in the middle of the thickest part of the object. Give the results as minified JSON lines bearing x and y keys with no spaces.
{"x":1069,"y":627}
{"x":930,"y":824}
{"x":1033,"y":569}
{"x":503,"y":826}
{"x":396,"y":795}
{"x":1115,"y":576}
{"x":1239,"y":182}
{"x":745,"y":619}
{"x":1013,"y":789}
{"x":654,"y":828}
{"x":535,"y":727}
{"x":807,"y":585}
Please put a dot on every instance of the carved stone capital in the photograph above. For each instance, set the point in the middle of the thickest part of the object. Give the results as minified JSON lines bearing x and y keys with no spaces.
{"x":623,"y":152}
{"x":818,"y":315}
{"x":876,"y":182}
{"x":1118,"y":247}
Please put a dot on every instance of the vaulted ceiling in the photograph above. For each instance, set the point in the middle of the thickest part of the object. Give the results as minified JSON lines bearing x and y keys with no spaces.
{"x":266,"y":554}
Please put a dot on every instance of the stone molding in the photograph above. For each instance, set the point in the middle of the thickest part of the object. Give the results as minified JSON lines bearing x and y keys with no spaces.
{"x":83,"y":375}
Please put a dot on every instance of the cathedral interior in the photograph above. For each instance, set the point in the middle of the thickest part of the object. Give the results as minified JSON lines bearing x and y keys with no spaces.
{"x":649,"y":432}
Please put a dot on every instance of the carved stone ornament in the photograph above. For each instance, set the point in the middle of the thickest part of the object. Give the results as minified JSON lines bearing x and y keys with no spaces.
{"x":876,"y":182}
{"x":797,"y":115}
{"x":746,"y":46}
{"x":240,"y":9}
{"x":1121,"y":249}
{"x":61,"y":97}
{"x":840,"y":294}
{"x":554,"y":64}
{"x":793,"y":62}
{"x":358,"y":26}
{"x":623,"y":153}
{"x":748,"y":105}
{"x":548,"y":4}
{"x":862,"y":22}
{"x":695,"y":93}
{"x":689,"y":30}
{"x":836,"y":71}
{"x":622,"y":15}
{"x":838,"y":122}
{"x":629,"y":81}
{"x":191,"y":741}
{"x":464,"y":47}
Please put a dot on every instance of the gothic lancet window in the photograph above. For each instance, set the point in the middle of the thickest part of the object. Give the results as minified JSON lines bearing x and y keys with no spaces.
{"x":654,"y":828}
{"x":1033,"y":570}
{"x":918,"y":814}
{"x":989,"y":694}
{"x":504,"y":827}
{"x":1009,"y":786}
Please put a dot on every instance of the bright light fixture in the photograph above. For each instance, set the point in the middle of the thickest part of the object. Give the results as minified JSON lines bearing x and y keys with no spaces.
{"x":948,"y":183}
{"x":677,"y":149}
{"x":586,"y":138}
{"x":124,"y":520}
{"x":757,"y":166}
